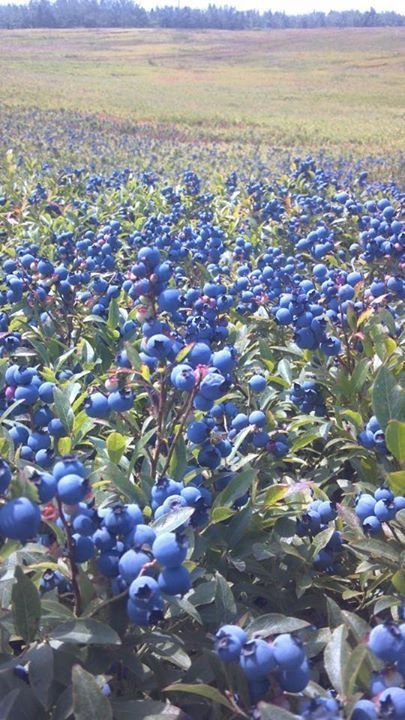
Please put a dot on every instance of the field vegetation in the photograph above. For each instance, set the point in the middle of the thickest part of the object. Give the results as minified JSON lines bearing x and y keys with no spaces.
{"x":330,"y":88}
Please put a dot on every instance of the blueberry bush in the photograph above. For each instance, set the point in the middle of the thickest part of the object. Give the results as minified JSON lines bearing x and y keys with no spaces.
{"x":202,"y":438}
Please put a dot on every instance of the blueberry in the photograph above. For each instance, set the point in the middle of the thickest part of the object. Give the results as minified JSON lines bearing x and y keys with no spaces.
{"x":170,"y":549}
{"x":258,"y":418}
{"x":182,"y":377}
{"x":141,"y":535}
{"x":197,"y":432}
{"x":108,"y":562}
{"x":392,"y":703}
{"x":144,"y":591}
{"x":257,"y":659}
{"x":327,"y":511}
{"x":175,"y":581}
{"x":386,"y":642}
{"x":365,"y":505}
{"x":288,"y":652}
{"x":200,"y":354}
{"x":83,"y":548}
{"x":371,"y":525}
{"x":19,"y":519}
{"x":384,"y":510}
{"x":131,"y":564}
{"x":364,"y":710}
{"x":257,"y":383}
{"x":96,"y":406}
{"x":121,"y":400}
{"x":71,"y":489}
{"x":159,"y":346}
{"x":296,"y":680}
{"x":120,"y":519}
{"x":68,"y":465}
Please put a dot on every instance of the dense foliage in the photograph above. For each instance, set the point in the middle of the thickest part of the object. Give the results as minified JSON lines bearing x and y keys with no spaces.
{"x":127,"y":13}
{"x":202,"y":508}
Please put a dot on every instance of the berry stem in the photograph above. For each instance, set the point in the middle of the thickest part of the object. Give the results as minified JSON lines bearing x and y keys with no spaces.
{"x":73,"y":566}
{"x":184,"y":415}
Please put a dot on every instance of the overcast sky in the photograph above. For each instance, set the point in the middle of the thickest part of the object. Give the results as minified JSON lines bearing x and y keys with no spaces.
{"x":288,"y":6}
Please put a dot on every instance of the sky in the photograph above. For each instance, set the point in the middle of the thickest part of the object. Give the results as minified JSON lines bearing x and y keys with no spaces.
{"x":288,"y":6}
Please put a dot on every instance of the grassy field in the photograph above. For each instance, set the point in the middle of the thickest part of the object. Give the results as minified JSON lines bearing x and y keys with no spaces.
{"x":310,"y":88}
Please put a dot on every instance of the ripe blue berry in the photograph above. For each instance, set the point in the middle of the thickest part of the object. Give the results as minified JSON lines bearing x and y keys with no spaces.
{"x":175,"y":581}
{"x":257,"y":659}
{"x":19,"y":519}
{"x":170,"y":549}
{"x":392,"y":703}
{"x":288,"y":652}
{"x":386,"y":642}
{"x":364,"y":710}
{"x":71,"y":489}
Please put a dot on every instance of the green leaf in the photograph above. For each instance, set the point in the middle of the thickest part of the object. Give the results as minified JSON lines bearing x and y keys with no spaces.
{"x":173,"y":520}
{"x":85,"y":631}
{"x":378,"y":549}
{"x":336,"y":656}
{"x":356,"y":662}
{"x":360,"y":373}
{"x":183,"y":353}
{"x":165,"y":647}
{"x":356,"y":625}
{"x":64,"y":706}
{"x":321,"y":540}
{"x":275,"y":623}
{"x":116,"y":446}
{"x":205,"y":691}
{"x":398,"y":581}
{"x":26,"y":606}
{"x":89,"y":703}
{"x":224,"y":600}
{"x":304,"y":440}
{"x":133,"y":356}
{"x":387,"y":397}
{"x":284,"y":369}
{"x":113,"y":314}
{"x":395,"y":439}
{"x":396,"y":481}
{"x":41,"y":674}
{"x":178,"y":462}
{"x":236,"y":488}
{"x":221,"y":513}
{"x":120,"y":482}
{"x":63,"y":409}
{"x":185,"y":606}
{"x":274,"y":494}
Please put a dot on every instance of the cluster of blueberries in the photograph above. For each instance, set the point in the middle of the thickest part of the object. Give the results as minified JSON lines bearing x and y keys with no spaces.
{"x":387,"y":642}
{"x":127,"y":550}
{"x":318,"y":516}
{"x":308,"y":397}
{"x":373,"y":510}
{"x":31,"y":396}
{"x":284,"y":656}
{"x":372,"y":437}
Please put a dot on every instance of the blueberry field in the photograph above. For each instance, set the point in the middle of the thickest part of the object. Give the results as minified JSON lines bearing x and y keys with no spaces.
{"x":202,"y":428}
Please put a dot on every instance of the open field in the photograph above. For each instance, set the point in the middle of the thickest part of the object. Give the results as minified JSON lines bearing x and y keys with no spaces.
{"x":334,"y":88}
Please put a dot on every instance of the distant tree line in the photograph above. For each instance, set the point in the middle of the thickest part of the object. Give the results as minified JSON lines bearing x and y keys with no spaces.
{"x":126,"y":14}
